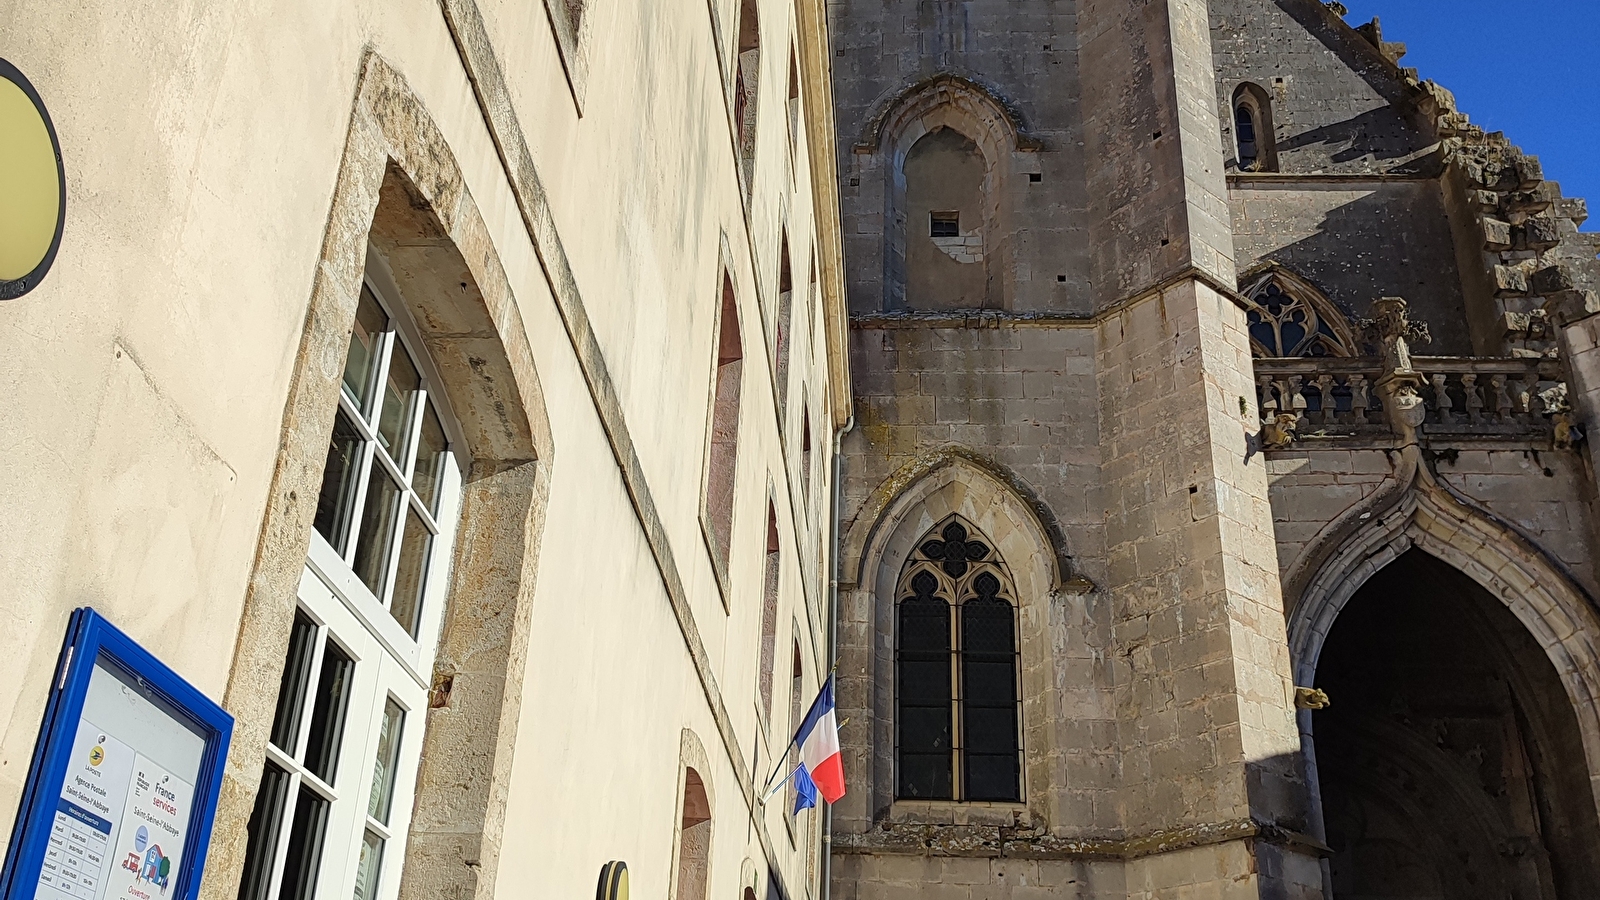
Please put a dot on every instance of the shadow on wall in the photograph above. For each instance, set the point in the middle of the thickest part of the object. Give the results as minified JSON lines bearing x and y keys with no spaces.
{"x":1379,"y":134}
{"x":1356,"y":252}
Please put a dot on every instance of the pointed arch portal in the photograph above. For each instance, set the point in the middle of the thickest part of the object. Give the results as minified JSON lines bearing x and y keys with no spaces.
{"x":1457,"y":757}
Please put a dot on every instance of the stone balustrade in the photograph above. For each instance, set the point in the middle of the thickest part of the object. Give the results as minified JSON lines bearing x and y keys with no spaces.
{"x":1469,"y":400}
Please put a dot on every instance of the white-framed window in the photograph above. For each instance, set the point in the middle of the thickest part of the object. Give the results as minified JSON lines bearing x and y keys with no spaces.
{"x":331,"y":817}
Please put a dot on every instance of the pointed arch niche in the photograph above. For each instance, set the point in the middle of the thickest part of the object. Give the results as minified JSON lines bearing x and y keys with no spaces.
{"x":946,"y":148}
{"x":1420,"y":526}
{"x":897,"y":544}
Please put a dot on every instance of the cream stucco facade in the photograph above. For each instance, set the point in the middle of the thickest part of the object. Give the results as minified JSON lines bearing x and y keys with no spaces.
{"x":557,"y":193}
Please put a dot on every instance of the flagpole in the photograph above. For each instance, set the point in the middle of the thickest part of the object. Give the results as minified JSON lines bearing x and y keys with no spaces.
{"x":779,"y":766}
{"x":774,"y":787}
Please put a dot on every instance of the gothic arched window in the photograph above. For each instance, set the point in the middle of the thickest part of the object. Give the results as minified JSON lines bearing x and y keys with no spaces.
{"x":1288,"y":317}
{"x":958,"y":715}
{"x":1253,"y":135}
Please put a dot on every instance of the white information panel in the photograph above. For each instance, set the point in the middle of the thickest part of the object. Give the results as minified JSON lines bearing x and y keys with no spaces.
{"x":124,"y":807}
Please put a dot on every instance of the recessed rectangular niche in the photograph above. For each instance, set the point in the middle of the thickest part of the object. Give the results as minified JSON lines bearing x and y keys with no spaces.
{"x":944,"y":223}
{"x":1035,"y":177}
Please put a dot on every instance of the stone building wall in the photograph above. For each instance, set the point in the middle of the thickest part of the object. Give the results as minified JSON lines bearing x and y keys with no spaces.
{"x":1201,"y":556}
{"x":1023,"y":52}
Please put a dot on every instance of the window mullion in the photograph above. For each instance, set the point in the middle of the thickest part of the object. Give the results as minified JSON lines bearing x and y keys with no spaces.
{"x":281,"y":852}
{"x":313,"y":682}
{"x":413,"y":437}
{"x":369,"y":449}
{"x":381,"y":376}
{"x":396,"y":538}
{"x":957,"y":744}
{"x":358,"y":418}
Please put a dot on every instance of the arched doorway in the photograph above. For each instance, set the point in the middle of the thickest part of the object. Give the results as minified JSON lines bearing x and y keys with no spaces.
{"x":1450,"y":763}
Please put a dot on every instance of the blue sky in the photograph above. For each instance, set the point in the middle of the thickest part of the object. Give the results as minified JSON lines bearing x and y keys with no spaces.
{"x":1525,"y":67}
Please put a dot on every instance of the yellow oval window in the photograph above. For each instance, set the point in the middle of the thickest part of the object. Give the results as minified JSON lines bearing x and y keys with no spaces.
{"x":32,"y":188}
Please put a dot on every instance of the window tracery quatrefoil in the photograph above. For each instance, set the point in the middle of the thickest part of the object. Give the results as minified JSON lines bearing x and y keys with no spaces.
{"x":954,"y":551}
{"x":1288,"y":317}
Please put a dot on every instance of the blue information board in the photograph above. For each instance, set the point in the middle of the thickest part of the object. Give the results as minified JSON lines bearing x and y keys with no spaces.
{"x":123,"y":786}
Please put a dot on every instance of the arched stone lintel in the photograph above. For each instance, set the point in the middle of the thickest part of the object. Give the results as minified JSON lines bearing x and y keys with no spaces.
{"x":898,"y":495}
{"x":400,"y":188}
{"x":691,"y":756}
{"x":902,"y":118}
{"x":1418,"y":511}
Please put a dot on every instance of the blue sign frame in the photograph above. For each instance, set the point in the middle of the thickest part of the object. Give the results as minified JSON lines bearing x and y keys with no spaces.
{"x":90,"y":637}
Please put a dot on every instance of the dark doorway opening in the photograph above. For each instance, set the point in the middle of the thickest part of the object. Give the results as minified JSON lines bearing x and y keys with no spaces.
{"x":1450,"y":762}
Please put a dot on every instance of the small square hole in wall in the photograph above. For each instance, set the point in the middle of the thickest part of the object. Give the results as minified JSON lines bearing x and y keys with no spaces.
{"x":855,"y":182}
{"x":944,"y":223}
{"x":1035,"y":177}
{"x":1061,"y":279}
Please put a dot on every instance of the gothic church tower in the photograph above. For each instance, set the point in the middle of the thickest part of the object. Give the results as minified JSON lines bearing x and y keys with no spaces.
{"x":1064,"y":642}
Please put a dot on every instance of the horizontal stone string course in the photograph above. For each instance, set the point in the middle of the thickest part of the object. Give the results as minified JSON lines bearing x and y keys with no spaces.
{"x":1001,"y":842}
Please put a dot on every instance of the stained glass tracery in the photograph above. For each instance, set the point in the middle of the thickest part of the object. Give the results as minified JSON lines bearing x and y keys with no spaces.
{"x":1289,"y":319}
{"x":958,"y":717}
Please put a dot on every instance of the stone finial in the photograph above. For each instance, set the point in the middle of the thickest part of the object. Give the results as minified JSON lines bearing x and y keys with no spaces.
{"x":1392,"y":330}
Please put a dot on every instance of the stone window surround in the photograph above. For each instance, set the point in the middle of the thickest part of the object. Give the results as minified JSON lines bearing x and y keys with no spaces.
{"x":955,"y":591}
{"x":691,"y":755}
{"x":1259,"y":103}
{"x":1297,"y":286}
{"x":969,"y":107}
{"x":395,"y":152}
{"x":956,"y":485}
{"x":726,"y":282}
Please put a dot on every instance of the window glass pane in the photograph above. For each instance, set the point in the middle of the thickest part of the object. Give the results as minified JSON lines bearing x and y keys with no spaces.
{"x":925,"y":776}
{"x":305,"y":846}
{"x":266,"y":822}
{"x":367,"y":868}
{"x":296,"y":679}
{"x":360,"y":365}
{"x":403,"y":382}
{"x":924,"y":625}
{"x":924,"y":728}
{"x":989,"y":729}
{"x":383,"y":768}
{"x":431,"y":456}
{"x":411,"y":573}
{"x":992,"y":777}
{"x":377,"y":530}
{"x":925,"y":681}
{"x":339,"y":476}
{"x":327,"y":715}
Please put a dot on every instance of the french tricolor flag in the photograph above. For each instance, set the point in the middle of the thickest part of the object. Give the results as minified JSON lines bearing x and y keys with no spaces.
{"x":821,"y":768}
